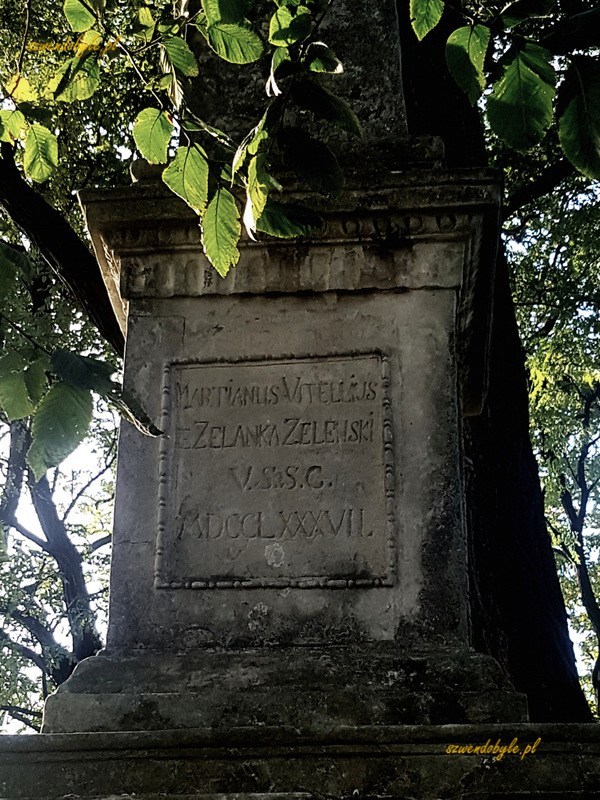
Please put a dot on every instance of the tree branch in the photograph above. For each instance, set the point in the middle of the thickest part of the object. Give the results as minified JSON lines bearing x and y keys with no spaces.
{"x":24,"y":651}
{"x":18,"y":713}
{"x":100,"y":543}
{"x":86,"y":486}
{"x":12,"y":522}
{"x":579,"y":32}
{"x":81,"y":619}
{"x":60,"y":246}
{"x":545,"y":183}
{"x":62,"y":662}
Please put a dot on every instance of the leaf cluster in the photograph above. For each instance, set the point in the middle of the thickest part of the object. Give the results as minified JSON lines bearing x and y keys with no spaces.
{"x":530,"y":65}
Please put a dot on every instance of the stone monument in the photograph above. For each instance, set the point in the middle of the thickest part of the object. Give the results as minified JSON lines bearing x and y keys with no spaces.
{"x":289,"y":593}
{"x":299,"y":552}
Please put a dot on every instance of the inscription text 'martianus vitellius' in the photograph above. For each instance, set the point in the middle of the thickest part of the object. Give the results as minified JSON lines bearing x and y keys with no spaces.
{"x":276,"y":473}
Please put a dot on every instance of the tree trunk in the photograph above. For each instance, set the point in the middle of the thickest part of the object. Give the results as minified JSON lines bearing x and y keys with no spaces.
{"x":518,"y":613}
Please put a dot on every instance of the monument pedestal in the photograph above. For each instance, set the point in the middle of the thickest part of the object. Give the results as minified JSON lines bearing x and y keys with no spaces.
{"x":299,"y":554}
{"x":312,"y":689}
{"x":399,"y":763}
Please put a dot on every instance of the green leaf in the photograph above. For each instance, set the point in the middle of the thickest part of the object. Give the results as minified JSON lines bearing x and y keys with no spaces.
{"x":36,"y":113}
{"x":236,"y":43}
{"x":36,"y":379}
{"x":60,"y":423}
{"x":8,"y":280}
{"x":521,"y":10}
{"x":144,"y":24}
{"x":82,"y":372}
{"x":76,"y":80}
{"x":187,"y":176}
{"x":221,"y":231}
{"x":20,"y":89}
{"x":425,"y":15}
{"x":520,"y":107}
{"x":129,"y":408}
{"x":12,"y":125}
{"x":18,"y":259}
{"x":258,"y":186}
{"x":14,"y":397}
{"x":152,"y":131}
{"x":180,"y":56}
{"x":312,"y":161}
{"x":225,"y":10}
{"x":288,"y":221}
{"x":465,"y":55}
{"x":41,"y":153}
{"x":579,"y":116}
{"x":288,"y":28}
{"x":78,"y":16}
{"x":260,"y":133}
{"x":280,"y":55}
{"x":199,"y":125}
{"x":312,"y":97}
{"x":320,"y":58}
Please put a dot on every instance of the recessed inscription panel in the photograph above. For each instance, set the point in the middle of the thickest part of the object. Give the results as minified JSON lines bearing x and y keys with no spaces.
{"x":276,"y":473}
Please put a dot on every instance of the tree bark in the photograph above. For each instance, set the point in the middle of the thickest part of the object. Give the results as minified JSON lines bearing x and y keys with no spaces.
{"x":61,"y":247}
{"x":518,"y":613}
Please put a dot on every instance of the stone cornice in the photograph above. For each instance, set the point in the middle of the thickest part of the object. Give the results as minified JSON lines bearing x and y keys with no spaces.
{"x":408,"y":231}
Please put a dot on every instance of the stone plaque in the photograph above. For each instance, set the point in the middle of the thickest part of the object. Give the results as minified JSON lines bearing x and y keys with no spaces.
{"x":276,"y":474}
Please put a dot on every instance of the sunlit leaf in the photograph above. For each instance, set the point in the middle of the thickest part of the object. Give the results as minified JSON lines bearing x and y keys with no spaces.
{"x":41,"y":153}
{"x":221,"y":231}
{"x":180,"y":56}
{"x":152,"y":131}
{"x":78,"y":15}
{"x":465,"y":55}
{"x":236,"y":43}
{"x":287,"y":27}
{"x":187,"y":176}
{"x":320,"y":58}
{"x":144,"y":24}
{"x":21,"y":90}
{"x":76,"y":80}
{"x":225,"y":10}
{"x":12,"y":125}
{"x":520,"y":107}
{"x":425,"y":15}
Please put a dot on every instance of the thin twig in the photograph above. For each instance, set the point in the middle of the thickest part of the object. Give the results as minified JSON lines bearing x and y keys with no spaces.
{"x":25,"y":36}
{"x":23,"y":333}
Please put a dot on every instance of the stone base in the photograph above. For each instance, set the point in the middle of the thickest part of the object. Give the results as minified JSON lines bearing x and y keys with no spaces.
{"x":403,"y":763}
{"x":309,"y":688}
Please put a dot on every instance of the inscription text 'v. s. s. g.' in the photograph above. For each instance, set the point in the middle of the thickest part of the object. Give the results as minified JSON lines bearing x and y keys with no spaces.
{"x":277,"y":473}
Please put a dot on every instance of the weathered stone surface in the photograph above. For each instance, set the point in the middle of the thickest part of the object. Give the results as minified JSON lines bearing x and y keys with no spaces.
{"x":309,"y":687}
{"x":404,"y":763}
{"x":304,"y":503}
{"x":365,"y":37}
{"x":298,"y":483}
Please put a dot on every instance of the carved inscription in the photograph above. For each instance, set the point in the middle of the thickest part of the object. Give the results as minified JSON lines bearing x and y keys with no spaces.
{"x":276,"y":473}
